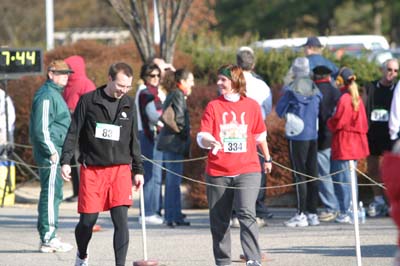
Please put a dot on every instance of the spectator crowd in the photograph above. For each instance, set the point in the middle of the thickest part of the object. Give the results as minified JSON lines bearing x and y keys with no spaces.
{"x":106,"y":142}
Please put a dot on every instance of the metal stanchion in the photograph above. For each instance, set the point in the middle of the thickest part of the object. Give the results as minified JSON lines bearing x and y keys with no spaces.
{"x":145,"y":261}
{"x":355,"y":211}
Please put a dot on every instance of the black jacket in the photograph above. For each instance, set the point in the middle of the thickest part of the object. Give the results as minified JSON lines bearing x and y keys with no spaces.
{"x":90,"y":111}
{"x":168,"y":140}
{"x":330,"y":97}
{"x":378,"y":96}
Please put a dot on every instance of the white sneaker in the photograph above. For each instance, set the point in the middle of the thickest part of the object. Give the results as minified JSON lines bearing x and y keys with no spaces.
{"x":81,"y":262}
{"x":377,"y":209}
{"x":253,"y":263}
{"x":312,"y":219}
{"x":261,"y":222}
{"x":235,"y":222}
{"x":152,"y":219}
{"x":299,"y":220}
{"x":55,"y":245}
{"x":343,"y":219}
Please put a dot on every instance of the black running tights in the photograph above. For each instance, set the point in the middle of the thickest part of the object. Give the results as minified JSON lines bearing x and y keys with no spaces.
{"x":83,"y":233}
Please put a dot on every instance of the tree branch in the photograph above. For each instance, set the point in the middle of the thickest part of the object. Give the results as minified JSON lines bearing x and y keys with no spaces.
{"x":171,"y":15}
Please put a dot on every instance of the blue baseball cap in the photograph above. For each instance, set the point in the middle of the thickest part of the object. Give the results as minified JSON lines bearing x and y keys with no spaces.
{"x":313,"y":42}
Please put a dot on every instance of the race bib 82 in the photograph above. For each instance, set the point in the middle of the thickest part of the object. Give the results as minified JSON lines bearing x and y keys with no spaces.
{"x":107,"y":131}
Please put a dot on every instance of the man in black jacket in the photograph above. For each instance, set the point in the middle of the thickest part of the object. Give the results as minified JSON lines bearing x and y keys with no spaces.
{"x":105,"y":123}
{"x":378,"y":99}
{"x":322,"y":78}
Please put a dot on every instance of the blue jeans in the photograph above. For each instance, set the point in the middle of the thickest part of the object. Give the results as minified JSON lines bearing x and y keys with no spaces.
{"x":173,"y":206}
{"x":326,"y":188}
{"x":343,"y":191}
{"x":157,"y":178}
{"x":149,"y":187}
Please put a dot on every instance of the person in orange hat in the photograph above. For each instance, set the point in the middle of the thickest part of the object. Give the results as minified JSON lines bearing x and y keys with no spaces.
{"x":49,"y":121}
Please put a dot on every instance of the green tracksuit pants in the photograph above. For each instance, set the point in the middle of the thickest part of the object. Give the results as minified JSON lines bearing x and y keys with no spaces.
{"x":51,"y":195}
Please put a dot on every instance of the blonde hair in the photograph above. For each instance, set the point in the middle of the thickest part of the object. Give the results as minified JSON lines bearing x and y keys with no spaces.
{"x":355,"y":95}
{"x":351,"y":85}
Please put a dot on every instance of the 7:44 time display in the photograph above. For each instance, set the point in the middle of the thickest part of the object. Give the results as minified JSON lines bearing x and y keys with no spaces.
{"x":22,"y":57}
{"x":16,"y":62}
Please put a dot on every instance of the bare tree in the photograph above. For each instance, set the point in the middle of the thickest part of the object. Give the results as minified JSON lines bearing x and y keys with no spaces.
{"x":170,"y":14}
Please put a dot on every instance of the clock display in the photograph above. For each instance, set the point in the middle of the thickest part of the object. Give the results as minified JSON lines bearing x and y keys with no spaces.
{"x":18,"y":62}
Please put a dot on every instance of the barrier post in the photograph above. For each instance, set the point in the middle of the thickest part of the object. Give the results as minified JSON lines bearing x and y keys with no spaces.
{"x":355,"y":211}
{"x":145,"y":261}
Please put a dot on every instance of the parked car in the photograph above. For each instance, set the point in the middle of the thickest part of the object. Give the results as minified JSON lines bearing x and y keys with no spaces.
{"x":340,"y":45}
{"x":380,"y":56}
{"x":395,"y":52}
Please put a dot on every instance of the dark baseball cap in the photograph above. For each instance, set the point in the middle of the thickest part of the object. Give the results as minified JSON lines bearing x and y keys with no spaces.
{"x":313,"y":42}
{"x":347,"y":74}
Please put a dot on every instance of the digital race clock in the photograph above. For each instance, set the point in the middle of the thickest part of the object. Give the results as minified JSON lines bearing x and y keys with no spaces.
{"x":18,"y":62}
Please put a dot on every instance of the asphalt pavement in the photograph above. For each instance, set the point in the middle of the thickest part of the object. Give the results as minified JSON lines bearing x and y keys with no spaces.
{"x":328,"y":244}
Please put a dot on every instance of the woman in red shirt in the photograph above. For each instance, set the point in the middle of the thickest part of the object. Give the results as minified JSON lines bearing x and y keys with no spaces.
{"x":231,"y":128}
{"x":349,"y":126}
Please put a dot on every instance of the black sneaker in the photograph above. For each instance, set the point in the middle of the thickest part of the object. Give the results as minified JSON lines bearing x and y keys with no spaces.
{"x":72,"y":199}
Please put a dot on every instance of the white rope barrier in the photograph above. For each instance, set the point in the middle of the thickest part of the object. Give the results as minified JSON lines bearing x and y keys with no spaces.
{"x":160,"y":162}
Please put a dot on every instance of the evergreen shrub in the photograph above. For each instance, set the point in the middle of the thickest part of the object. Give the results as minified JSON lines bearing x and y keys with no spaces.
{"x":203,"y":60}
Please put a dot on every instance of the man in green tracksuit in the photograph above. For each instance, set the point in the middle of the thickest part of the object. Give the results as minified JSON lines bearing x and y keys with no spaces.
{"x":49,"y":122}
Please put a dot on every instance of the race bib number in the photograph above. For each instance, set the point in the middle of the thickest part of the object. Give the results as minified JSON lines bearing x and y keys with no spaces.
{"x":379,"y":115}
{"x":107,"y":131}
{"x":235,"y":145}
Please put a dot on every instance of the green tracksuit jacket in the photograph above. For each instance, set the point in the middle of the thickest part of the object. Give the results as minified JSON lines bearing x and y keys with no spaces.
{"x":49,"y":122}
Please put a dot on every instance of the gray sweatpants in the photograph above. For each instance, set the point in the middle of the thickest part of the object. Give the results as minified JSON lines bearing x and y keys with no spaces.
{"x":221,"y":201}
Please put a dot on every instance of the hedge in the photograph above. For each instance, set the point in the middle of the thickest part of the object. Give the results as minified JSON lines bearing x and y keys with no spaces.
{"x":204,"y":62}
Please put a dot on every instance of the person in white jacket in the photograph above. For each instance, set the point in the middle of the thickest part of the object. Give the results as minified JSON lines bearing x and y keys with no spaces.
{"x":394,"y":117}
{"x":6,"y":129}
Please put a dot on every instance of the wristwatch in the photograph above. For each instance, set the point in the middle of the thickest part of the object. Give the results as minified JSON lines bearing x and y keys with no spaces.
{"x":269,"y":160}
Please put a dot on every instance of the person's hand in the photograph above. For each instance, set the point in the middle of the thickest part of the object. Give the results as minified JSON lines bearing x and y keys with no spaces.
{"x":66,"y":172}
{"x":215,"y":146}
{"x":10,"y":148}
{"x":138,"y":181}
{"x":268,"y":167}
{"x":54,"y":158}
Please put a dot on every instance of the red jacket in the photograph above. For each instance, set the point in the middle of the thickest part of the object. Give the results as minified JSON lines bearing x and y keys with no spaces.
{"x":349,"y":128}
{"x":78,"y":83}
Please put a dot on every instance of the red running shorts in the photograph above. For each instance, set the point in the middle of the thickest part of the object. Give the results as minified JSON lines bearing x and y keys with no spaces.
{"x":102,"y":188}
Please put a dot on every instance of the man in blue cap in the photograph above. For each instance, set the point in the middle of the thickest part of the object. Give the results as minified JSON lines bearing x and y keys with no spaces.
{"x":313,"y":51}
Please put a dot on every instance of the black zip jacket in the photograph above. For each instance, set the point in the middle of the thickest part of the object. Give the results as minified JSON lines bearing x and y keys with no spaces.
{"x":90,"y":111}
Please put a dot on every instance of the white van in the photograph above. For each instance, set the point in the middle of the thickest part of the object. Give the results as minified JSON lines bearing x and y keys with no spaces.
{"x":348,"y":43}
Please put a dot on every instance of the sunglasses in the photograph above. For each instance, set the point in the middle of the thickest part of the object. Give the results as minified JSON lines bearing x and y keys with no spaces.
{"x":392,"y":70}
{"x":60,"y":72}
{"x":154,"y":75}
